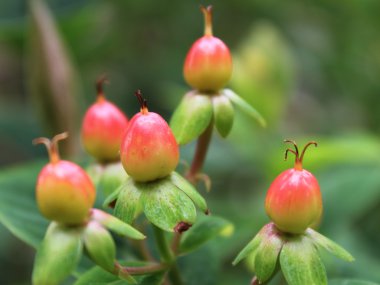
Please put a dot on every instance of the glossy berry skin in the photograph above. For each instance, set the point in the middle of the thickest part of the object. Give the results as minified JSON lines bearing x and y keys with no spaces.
{"x":103,"y":127}
{"x":149,"y":150}
{"x":294,"y":201}
{"x":65,"y":193}
{"x":208,"y":64}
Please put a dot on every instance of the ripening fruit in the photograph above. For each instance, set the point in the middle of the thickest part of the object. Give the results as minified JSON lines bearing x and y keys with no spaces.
{"x":294,"y":200}
{"x":64,"y":192}
{"x":103,"y":127}
{"x":208,"y":64}
{"x":148,"y":150}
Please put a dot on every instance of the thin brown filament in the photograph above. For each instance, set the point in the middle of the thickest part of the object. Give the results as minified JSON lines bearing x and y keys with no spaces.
{"x":305,"y":147}
{"x":292,"y":151}
{"x":51,"y":145}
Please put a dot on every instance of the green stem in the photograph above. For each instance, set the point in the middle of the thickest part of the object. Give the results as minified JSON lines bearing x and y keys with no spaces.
{"x":167,"y":256}
{"x":200,"y":154}
{"x":162,"y":245}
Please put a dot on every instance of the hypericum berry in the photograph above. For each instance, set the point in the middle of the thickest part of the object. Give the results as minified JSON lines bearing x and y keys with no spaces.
{"x":208,"y":64}
{"x":148,"y":150}
{"x":64,"y":192}
{"x":294,"y":201}
{"x":103,"y":127}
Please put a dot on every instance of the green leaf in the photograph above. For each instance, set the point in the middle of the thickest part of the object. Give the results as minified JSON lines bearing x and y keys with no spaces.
{"x":192,"y":117}
{"x":128,"y":202}
{"x":223,"y":114}
{"x":58,"y":255}
{"x":18,"y":208}
{"x":329,"y":245}
{"x":99,"y":245}
{"x":206,"y":228}
{"x":189,"y":190}
{"x":165,"y":205}
{"x":116,"y":225}
{"x":244,"y":106}
{"x":300,"y":263}
{"x":266,"y":256}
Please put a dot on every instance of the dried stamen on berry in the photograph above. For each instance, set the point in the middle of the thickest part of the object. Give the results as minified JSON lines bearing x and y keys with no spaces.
{"x":52,"y":145}
{"x":142,"y":101}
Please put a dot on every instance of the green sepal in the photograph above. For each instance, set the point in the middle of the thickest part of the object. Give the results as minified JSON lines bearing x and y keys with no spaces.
{"x":128,"y":205}
{"x":300,"y":262}
{"x":113,"y":176}
{"x":95,"y":171}
{"x":253,"y":245}
{"x":206,"y":228}
{"x":244,"y":106}
{"x":112,"y":198}
{"x":99,"y":245}
{"x":189,"y":190}
{"x":223,"y":114}
{"x":114,"y":224}
{"x":58,"y":254}
{"x":329,"y":245}
{"x":165,"y":205}
{"x":267,"y":254}
{"x":192,"y":117}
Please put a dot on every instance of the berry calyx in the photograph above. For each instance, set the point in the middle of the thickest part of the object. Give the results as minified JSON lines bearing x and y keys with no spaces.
{"x":64,"y":192}
{"x":208,"y":64}
{"x":148,"y":150}
{"x":103,"y":127}
{"x":294,"y":200}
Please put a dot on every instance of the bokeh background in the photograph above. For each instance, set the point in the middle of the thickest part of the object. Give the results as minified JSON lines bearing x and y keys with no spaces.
{"x":311,"y":68}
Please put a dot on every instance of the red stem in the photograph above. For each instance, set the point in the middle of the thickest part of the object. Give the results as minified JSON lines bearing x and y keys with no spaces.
{"x":200,"y":153}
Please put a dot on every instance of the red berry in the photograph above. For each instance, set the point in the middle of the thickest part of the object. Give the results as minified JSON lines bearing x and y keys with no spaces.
{"x":294,"y":200}
{"x":64,"y":192}
{"x":103,"y":127}
{"x":208,"y":64}
{"x":148,"y":150}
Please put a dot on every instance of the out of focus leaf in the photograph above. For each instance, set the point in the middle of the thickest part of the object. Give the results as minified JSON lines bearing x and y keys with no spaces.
{"x":58,"y":255}
{"x":18,"y":208}
{"x":206,"y":228}
{"x":264,"y":70}
{"x":52,"y":77}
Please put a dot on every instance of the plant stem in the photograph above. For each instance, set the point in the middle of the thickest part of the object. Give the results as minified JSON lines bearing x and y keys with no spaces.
{"x":140,"y":270}
{"x":162,"y":245}
{"x":167,"y":256}
{"x":200,"y":154}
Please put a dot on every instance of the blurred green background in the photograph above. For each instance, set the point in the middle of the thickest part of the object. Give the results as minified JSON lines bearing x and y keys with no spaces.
{"x":310,"y":67}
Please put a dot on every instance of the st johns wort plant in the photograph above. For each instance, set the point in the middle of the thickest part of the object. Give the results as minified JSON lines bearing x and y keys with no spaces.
{"x":134,"y":168}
